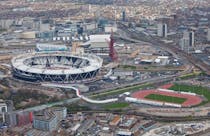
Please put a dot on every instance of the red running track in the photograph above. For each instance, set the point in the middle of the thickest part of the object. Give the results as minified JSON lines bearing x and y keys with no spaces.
{"x":191,"y":100}
{"x":166,"y":86}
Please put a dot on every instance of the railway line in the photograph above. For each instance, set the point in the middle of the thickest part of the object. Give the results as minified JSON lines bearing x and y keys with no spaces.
{"x":156,"y":42}
{"x":154,"y":117}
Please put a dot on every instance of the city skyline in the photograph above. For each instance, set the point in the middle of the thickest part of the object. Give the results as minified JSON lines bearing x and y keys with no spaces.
{"x":105,"y":68}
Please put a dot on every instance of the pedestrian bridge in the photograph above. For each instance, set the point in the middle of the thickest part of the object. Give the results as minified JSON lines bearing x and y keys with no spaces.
{"x":67,"y":86}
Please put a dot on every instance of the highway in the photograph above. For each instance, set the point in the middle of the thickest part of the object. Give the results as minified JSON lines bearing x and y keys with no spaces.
{"x":160,"y":118}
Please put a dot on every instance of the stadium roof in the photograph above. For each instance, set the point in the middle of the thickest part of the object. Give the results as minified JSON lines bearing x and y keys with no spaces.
{"x":18,"y":62}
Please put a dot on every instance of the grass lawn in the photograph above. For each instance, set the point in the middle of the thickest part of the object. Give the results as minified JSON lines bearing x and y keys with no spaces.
{"x":194,"y":89}
{"x":75,"y":107}
{"x":164,"y":98}
{"x":191,"y":75}
{"x":118,"y":105}
{"x":128,"y":67}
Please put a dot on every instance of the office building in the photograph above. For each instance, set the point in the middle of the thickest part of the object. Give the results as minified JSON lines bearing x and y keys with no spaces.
{"x":191,"y":39}
{"x":191,"y":36}
{"x":208,"y":35}
{"x":162,"y":30}
{"x":6,"y":23}
{"x":123,"y":15}
{"x":3,"y":110}
{"x":187,"y":43}
{"x":60,"y":112}
{"x":184,"y":44}
{"x":45,"y":120}
{"x":44,"y":25}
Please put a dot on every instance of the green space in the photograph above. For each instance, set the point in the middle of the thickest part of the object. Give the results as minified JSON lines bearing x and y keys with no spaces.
{"x":2,"y":30}
{"x":128,"y":67}
{"x":190,"y":75}
{"x":123,"y":90}
{"x":76,"y":107}
{"x":165,"y":98}
{"x":193,"y":89}
{"x":32,"y":97}
{"x":119,"y":105}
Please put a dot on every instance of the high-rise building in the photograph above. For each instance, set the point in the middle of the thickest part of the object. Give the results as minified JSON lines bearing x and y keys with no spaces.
{"x":3,"y":110}
{"x":208,"y":35}
{"x":48,"y":119}
{"x":89,"y":8}
{"x":192,"y":39}
{"x":123,"y":15}
{"x":191,"y":36}
{"x":184,"y":44}
{"x":162,"y":30}
{"x":188,"y":41}
{"x":45,"y":120}
{"x":18,"y":118}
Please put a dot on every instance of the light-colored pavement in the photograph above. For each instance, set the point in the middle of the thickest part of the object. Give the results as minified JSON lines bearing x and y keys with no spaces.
{"x":67,"y":86}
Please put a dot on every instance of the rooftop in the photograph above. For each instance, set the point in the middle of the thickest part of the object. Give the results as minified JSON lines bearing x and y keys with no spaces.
{"x":18,"y":62}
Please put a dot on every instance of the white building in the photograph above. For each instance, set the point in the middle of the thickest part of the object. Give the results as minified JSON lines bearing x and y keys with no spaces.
{"x":99,"y":41}
{"x":162,"y":60}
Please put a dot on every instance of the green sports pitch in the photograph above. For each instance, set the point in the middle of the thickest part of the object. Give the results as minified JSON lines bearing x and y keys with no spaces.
{"x":164,"y":98}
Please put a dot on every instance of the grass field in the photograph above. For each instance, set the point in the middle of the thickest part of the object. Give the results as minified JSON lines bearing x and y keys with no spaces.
{"x":191,"y":88}
{"x":119,"y":105}
{"x":165,"y":98}
{"x":75,"y":107}
{"x":194,"y":89}
{"x":191,"y":75}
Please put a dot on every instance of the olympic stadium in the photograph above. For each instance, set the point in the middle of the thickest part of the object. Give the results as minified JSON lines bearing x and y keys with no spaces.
{"x":55,"y":67}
